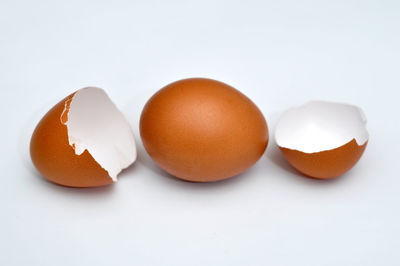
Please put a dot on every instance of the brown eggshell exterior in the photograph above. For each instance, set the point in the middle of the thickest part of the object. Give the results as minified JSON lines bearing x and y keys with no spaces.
{"x":56,"y":160}
{"x":325,"y":164}
{"x":203,"y":130}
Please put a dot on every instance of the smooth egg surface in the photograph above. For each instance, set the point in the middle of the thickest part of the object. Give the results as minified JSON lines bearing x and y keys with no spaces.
{"x":325,"y":164}
{"x":203,"y":130}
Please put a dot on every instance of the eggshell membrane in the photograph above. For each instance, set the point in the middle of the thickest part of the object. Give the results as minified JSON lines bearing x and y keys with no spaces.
{"x":95,"y":124}
{"x":325,"y":164}
{"x":56,"y":160}
{"x":203,"y":130}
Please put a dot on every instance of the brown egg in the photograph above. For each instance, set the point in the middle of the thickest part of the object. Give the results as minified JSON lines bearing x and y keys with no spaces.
{"x":71,"y":144}
{"x":322,"y":139}
{"x":203,"y":130}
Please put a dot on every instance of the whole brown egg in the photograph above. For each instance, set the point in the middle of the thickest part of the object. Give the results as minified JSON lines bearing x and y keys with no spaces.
{"x":203,"y":130}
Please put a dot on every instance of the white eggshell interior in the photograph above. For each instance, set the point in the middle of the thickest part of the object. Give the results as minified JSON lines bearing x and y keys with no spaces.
{"x":319,"y":126}
{"x":96,"y":125}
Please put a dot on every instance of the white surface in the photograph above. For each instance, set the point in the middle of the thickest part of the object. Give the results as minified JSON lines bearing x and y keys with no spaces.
{"x":280,"y":54}
{"x":320,"y":126}
{"x":95,"y":124}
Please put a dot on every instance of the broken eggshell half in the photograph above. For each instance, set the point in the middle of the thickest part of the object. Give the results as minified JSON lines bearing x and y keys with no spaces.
{"x":322,"y":139}
{"x":83,"y":141}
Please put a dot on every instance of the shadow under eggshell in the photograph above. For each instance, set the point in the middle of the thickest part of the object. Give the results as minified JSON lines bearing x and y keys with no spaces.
{"x":56,"y":160}
{"x":325,"y":164}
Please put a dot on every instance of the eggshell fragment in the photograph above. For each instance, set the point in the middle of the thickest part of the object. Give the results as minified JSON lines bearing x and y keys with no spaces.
{"x":322,"y":139}
{"x":83,"y":141}
{"x":203,"y":130}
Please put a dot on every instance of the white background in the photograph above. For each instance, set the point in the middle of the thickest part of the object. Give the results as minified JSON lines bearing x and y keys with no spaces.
{"x":279,"y":53}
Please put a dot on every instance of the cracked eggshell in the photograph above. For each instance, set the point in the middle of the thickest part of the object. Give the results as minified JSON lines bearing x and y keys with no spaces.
{"x":322,"y":139}
{"x":203,"y":130}
{"x":83,"y":141}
